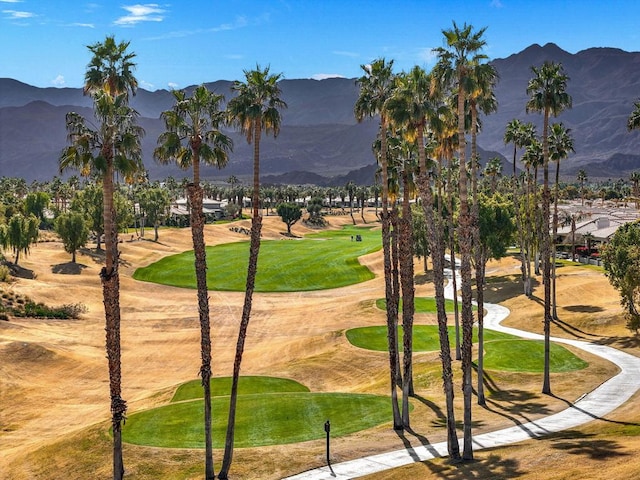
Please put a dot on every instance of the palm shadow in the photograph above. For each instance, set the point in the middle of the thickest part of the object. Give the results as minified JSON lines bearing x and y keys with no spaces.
{"x":492,"y":466}
{"x":583,"y":308}
{"x":586,"y":445}
{"x":69,"y":268}
{"x":20,"y":272}
{"x":504,"y":287}
{"x":620,"y":342}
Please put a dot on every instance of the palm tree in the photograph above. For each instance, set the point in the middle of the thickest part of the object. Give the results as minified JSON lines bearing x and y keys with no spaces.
{"x":493,"y":170}
{"x":634,"y":177}
{"x":376,"y":87}
{"x":481,"y":97}
{"x":570,"y":219}
{"x":560,"y":145}
{"x":521,"y":135}
{"x":456,"y":63}
{"x":255,"y":109}
{"x":114,"y":146}
{"x":547,"y":91}
{"x":351,"y":191}
{"x":582,"y":178}
{"x":634,"y":119}
{"x":192,"y":137}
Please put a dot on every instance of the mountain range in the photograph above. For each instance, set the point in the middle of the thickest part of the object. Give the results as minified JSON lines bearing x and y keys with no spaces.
{"x":320,"y":141}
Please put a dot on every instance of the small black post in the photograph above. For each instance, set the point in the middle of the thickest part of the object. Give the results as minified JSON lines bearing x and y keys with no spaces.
{"x":327,"y":428}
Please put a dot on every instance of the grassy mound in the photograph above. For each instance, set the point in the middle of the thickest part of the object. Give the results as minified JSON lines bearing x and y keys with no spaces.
{"x":246,"y":385}
{"x":317,"y":262}
{"x":422,"y":305}
{"x":425,"y":337}
{"x":528,"y":356}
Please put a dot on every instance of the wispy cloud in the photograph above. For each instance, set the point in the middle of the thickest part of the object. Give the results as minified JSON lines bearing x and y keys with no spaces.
{"x":10,"y":1}
{"x":84,"y":25}
{"x":146,"y":85}
{"x":344,"y":53}
{"x":173,"y":85}
{"x":239,"y":22}
{"x":59,"y":81}
{"x":149,"y":12}
{"x":324,"y":76}
{"x":17,"y":15}
{"x":496,"y":4}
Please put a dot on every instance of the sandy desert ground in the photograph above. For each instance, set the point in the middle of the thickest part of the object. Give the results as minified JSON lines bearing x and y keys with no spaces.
{"x":54,"y":399}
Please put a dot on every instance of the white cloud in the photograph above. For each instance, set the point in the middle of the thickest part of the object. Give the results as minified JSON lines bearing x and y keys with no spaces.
{"x":17,"y":15}
{"x":172,"y":85}
{"x":58,"y":81}
{"x":146,"y":85}
{"x":11,"y":1}
{"x":84,"y":25}
{"x":149,"y":12}
{"x":324,"y":76}
{"x":496,"y":4}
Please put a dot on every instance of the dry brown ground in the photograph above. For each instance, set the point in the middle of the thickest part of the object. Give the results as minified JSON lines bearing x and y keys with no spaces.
{"x":54,"y":405}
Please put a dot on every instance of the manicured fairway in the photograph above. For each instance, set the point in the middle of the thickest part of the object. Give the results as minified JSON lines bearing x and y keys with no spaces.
{"x":249,"y":384}
{"x":425,"y":337}
{"x":528,"y":356}
{"x":317,"y":262}
{"x":503,"y":351}
{"x":266,"y":418}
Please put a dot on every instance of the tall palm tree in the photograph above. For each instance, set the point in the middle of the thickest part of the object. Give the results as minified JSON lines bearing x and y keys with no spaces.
{"x":456,"y":63}
{"x":111,"y":146}
{"x":376,"y":87}
{"x":193,"y":137}
{"x":493,"y":170}
{"x":582,"y":179}
{"x":255,"y":109}
{"x":483,"y":78}
{"x":548,"y":95}
{"x":521,"y":135}
{"x":560,"y":145}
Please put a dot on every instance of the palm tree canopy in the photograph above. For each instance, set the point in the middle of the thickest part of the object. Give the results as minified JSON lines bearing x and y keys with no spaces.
{"x":258,"y":101}
{"x":117,"y":138}
{"x":547,"y":89}
{"x":376,"y":87}
{"x":110,"y":69}
{"x":560,"y":142}
{"x":193,"y":129}
{"x":634,"y":118}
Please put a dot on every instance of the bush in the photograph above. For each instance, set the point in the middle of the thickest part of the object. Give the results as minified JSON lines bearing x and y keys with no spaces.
{"x":5,"y":273}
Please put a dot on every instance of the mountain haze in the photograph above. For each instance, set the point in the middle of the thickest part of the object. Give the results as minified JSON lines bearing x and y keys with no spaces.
{"x":320,"y":141}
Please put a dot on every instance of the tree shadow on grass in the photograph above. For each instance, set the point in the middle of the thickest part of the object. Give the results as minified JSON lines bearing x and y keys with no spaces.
{"x":490,"y":467}
{"x":504,"y":287}
{"x":595,"y":417}
{"x":69,"y":268}
{"x":583,"y":308}
{"x":620,"y":342}
{"x":585,"y":444}
{"x":574,"y":331}
{"x":21,"y":272}
{"x":410,"y":448}
{"x":517,"y":406}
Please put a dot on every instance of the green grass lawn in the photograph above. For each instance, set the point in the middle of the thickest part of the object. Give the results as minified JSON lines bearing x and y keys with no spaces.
{"x":425,"y":337}
{"x":422,"y":305}
{"x":319,"y":261}
{"x":222,"y":386}
{"x":503,"y":351}
{"x":528,"y":356}
{"x":270,"y":417}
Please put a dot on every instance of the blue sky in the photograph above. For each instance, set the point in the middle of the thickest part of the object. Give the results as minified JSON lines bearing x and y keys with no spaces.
{"x":181,"y":43}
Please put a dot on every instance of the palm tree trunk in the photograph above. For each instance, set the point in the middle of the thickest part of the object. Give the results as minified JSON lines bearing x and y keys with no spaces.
{"x":546,"y":248}
{"x":452,"y":261}
{"x":436,"y":244}
{"x":408,"y":295}
{"x":252,"y":270}
{"x":111,"y":294}
{"x":464,"y":237}
{"x":194,"y":192}
{"x":554,"y":312}
{"x":395,"y":275}
{"x":392,"y":313}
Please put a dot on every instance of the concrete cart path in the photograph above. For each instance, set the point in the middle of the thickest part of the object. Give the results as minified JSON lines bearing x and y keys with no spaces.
{"x":593,"y":405}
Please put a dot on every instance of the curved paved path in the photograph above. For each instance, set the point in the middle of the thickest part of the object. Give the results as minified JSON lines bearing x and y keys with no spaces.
{"x":596,"y":404}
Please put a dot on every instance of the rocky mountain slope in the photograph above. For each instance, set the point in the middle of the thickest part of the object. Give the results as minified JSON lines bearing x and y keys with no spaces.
{"x":320,"y":140}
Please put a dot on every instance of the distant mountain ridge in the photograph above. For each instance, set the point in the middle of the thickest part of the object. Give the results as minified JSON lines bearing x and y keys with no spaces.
{"x":320,"y":141}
